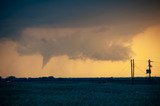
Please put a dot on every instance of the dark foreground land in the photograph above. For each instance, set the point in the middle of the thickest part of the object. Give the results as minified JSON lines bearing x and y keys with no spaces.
{"x":80,"y":91}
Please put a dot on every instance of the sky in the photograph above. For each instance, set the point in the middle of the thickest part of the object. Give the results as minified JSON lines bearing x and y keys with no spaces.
{"x":79,"y":38}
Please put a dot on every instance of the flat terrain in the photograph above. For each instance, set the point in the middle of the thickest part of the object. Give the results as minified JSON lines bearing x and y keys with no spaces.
{"x":78,"y":93}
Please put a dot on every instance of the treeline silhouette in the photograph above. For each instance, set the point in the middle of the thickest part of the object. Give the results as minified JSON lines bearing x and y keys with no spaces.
{"x":126,"y":80}
{"x":51,"y":78}
{"x":14,"y":79}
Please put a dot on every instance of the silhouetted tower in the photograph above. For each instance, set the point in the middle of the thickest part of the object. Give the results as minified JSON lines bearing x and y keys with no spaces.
{"x":132,"y":70}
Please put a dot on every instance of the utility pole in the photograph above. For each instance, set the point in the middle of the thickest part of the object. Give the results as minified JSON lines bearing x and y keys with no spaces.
{"x":149,"y":68}
{"x":131,"y":68}
{"x":132,"y":71}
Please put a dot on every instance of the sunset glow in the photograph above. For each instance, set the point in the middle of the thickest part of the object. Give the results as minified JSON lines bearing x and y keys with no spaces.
{"x":72,"y":40}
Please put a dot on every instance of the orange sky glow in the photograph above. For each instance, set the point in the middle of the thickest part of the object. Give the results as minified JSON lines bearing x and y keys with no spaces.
{"x":79,"y":38}
{"x":145,"y":46}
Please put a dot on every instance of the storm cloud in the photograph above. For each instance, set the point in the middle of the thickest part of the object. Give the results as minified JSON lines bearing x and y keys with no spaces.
{"x":80,"y":29}
{"x":77,"y":43}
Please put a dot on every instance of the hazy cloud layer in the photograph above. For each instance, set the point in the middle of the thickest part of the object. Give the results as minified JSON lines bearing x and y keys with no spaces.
{"x":20,"y":14}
